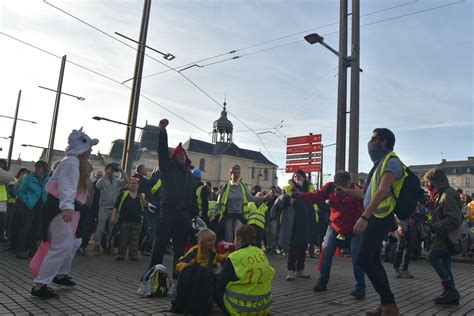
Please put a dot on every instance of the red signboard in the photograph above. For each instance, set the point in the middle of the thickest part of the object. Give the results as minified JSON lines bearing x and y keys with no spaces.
{"x":304,"y":167}
{"x":303,"y":156}
{"x":303,"y":139}
{"x":300,"y":161}
{"x":303,"y":149}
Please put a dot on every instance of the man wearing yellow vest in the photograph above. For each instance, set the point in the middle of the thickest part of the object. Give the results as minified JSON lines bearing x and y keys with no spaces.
{"x":13,"y":217}
{"x":152,"y":217}
{"x":5,"y":178}
{"x":232,"y":204}
{"x":256,"y":219}
{"x":202,"y":195}
{"x":378,"y":219}
{"x":246,"y":283}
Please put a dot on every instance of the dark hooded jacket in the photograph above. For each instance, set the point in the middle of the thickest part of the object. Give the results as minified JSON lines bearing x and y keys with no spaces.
{"x":446,"y":211}
{"x":177,"y":188}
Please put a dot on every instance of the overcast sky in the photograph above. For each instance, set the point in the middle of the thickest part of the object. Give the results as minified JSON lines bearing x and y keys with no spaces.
{"x":417,"y":79}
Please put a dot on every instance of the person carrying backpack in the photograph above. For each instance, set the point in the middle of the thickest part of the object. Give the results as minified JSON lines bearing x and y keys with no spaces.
{"x":446,"y":217}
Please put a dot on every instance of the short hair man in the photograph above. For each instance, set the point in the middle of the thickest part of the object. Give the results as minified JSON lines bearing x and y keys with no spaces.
{"x":378,"y":219}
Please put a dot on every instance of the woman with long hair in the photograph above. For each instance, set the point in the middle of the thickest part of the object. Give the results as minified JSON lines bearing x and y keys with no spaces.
{"x":67,"y":191}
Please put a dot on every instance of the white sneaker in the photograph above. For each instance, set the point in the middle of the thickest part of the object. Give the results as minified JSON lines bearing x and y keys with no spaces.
{"x":301,"y":274}
{"x":290,"y":276}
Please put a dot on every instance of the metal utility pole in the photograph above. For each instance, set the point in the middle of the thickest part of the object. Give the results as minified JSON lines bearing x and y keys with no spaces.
{"x":342,"y":90}
{"x":354,"y":117}
{"x":135,"y":96}
{"x":12,"y":137}
{"x":49,"y":152}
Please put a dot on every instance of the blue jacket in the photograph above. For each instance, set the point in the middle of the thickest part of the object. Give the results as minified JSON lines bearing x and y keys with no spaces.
{"x":32,"y":189}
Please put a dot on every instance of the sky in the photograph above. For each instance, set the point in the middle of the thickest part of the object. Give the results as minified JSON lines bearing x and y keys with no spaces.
{"x":417,"y":77}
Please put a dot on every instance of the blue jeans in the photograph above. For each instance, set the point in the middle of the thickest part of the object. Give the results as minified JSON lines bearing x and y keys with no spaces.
{"x":441,"y":262}
{"x":332,"y":243}
{"x":150,"y":225}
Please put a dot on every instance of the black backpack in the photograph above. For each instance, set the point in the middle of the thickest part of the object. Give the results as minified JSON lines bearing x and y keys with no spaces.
{"x":194,"y":291}
{"x":410,"y":194}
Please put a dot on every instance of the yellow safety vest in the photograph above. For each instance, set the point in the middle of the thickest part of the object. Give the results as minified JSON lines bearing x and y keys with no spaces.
{"x":257,"y":215}
{"x":251,"y":293}
{"x":141,"y":196}
{"x":212,"y":208}
{"x":199,"y":198}
{"x":3,"y":192}
{"x":156,"y":187}
{"x":12,"y":199}
{"x":385,"y":208}
{"x":225,"y":196}
{"x":288,"y":191}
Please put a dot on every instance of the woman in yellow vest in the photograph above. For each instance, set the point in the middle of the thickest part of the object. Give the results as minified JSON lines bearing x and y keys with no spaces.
{"x":232,"y":204}
{"x":246,"y":279}
{"x":128,"y":211}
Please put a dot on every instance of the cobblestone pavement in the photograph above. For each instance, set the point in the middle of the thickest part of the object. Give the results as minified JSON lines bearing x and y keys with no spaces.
{"x":108,"y":287}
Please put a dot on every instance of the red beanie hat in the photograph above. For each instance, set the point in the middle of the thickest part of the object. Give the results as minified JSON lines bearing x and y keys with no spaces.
{"x":180,"y":149}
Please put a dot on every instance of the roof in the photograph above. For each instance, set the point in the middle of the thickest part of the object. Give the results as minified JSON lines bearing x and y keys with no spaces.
{"x":149,"y":138}
{"x":448,"y":167}
{"x":116,"y":149}
{"x":228,"y":149}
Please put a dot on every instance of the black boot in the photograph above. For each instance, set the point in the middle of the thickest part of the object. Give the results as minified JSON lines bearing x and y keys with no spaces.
{"x":450,"y":295}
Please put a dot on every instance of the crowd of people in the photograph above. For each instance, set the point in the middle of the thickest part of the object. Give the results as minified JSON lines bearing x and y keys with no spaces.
{"x":173,"y":210}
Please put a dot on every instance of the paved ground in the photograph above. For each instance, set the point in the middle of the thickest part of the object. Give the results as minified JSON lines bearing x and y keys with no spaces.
{"x":108,"y":287}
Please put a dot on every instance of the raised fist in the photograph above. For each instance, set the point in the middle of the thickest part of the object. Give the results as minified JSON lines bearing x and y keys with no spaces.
{"x":164,"y":123}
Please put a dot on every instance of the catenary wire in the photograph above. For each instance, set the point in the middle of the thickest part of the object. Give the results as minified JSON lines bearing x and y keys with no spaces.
{"x":274,"y":40}
{"x":171,"y":68}
{"x":104,"y":76}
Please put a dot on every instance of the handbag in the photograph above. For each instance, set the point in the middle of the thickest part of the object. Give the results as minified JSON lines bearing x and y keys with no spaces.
{"x":459,"y":240}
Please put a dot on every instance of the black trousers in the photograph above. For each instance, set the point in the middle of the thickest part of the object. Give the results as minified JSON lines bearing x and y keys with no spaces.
{"x":31,"y":229}
{"x":259,"y":235}
{"x":369,"y":255}
{"x":296,"y":258}
{"x":174,"y":224}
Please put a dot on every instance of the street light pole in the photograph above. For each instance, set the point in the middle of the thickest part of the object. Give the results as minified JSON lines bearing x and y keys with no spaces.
{"x":12,"y":137}
{"x":49,"y":152}
{"x":342,"y":90}
{"x":135,"y":96}
{"x":355,"y":76}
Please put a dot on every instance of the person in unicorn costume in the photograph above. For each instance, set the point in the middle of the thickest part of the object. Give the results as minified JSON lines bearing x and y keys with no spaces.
{"x":68,"y":190}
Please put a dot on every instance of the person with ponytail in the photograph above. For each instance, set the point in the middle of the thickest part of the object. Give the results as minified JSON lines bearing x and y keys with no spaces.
{"x":67,"y":189}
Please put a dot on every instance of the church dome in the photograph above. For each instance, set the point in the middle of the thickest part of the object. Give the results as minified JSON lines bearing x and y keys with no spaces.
{"x":222,"y":124}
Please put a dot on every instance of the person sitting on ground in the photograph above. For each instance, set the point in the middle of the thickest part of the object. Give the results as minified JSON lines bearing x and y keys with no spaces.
{"x":197,"y":283}
{"x":203,"y":253}
{"x":246,"y":278}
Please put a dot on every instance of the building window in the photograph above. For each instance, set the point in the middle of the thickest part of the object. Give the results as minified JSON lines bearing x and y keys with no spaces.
{"x":453,"y":181}
{"x":253,"y":173}
{"x":455,"y":170}
{"x":468,"y":170}
{"x":265,"y":174}
{"x":467,"y":182}
{"x":202,"y":164}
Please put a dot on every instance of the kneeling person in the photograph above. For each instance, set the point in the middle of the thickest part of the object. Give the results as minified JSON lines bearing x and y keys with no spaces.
{"x":246,"y":278}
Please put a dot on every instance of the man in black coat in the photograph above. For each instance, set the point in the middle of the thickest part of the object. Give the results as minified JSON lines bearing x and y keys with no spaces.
{"x":178,"y":201}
